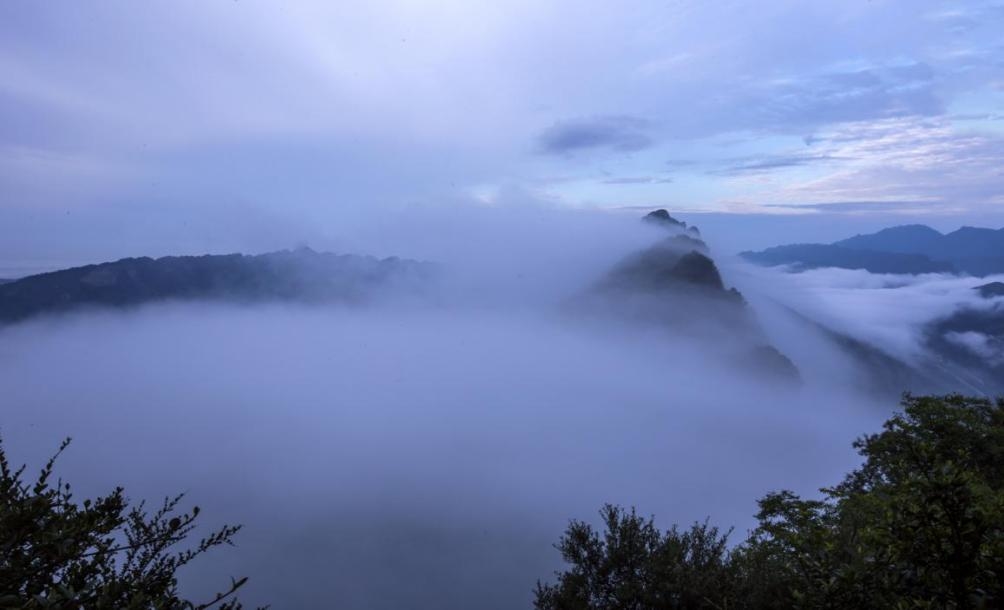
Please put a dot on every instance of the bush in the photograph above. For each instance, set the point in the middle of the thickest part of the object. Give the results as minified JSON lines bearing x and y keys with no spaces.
{"x":633,"y":565}
{"x":918,"y":525}
{"x":100,"y":553}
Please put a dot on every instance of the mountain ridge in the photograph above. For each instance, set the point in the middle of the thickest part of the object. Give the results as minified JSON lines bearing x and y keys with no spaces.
{"x":911,"y":249}
{"x":300,"y":274}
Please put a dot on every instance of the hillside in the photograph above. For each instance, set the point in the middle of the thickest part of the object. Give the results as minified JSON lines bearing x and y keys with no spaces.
{"x":299,"y":275}
{"x":970,"y":342}
{"x":991,"y":290}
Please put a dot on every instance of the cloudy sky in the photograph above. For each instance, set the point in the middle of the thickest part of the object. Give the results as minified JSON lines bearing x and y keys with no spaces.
{"x":172,"y":125}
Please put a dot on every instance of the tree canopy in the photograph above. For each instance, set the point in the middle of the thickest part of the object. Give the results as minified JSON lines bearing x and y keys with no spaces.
{"x":918,"y":525}
{"x":100,"y":553}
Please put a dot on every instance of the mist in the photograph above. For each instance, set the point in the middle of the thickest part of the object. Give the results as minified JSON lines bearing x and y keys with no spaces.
{"x":505,"y":344}
{"x":424,"y":452}
{"x":888,"y":310}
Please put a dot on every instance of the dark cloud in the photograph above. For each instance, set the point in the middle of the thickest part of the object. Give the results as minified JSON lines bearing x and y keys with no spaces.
{"x":614,"y":133}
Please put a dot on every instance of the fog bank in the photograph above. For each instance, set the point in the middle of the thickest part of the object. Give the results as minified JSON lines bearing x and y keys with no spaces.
{"x":885,"y":310}
{"x":421,"y":457}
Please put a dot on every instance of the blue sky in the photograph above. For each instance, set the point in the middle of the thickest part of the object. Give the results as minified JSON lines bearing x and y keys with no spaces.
{"x":179,"y":123}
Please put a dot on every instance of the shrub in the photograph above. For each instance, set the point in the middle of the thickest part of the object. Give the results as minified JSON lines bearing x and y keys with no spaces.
{"x":99,"y":553}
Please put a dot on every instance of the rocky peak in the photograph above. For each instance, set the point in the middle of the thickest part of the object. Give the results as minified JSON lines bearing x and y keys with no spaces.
{"x":662,"y":217}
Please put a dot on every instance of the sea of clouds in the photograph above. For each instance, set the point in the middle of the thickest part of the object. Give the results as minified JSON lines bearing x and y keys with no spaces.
{"x":428,"y":454}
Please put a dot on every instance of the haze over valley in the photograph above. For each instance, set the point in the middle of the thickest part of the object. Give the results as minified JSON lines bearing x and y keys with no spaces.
{"x":403,"y":288}
{"x":437,"y":419}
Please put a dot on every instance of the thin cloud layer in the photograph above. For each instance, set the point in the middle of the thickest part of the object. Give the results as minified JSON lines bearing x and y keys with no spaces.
{"x":170,"y":112}
{"x":760,"y":165}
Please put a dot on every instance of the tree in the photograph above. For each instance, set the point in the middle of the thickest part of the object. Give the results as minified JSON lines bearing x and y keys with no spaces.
{"x":634,"y":565}
{"x":918,"y":525}
{"x":100,"y":553}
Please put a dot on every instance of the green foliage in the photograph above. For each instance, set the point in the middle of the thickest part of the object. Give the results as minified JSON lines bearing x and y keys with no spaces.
{"x":633,"y":565}
{"x":918,"y":525}
{"x":100,"y":553}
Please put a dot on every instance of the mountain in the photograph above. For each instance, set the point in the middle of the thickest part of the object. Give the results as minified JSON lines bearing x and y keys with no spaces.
{"x":947,"y":363}
{"x":814,"y":256}
{"x":961,"y":352}
{"x":671,"y":284}
{"x":675,"y":284}
{"x":905,"y":239}
{"x":971,"y":342}
{"x":991,"y":290}
{"x":877,"y":371}
{"x":297,"y":275}
{"x":904,"y":249}
{"x":662,"y":217}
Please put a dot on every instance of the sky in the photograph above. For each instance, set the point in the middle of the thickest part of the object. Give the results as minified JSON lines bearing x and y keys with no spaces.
{"x":179,"y":127}
{"x":497,"y":137}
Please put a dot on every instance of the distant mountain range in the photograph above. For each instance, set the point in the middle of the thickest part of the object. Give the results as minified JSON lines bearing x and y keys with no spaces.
{"x":991,"y":290}
{"x":905,"y":249}
{"x":675,"y":283}
{"x":672,"y":284}
{"x":964,"y":350}
{"x":289,"y":275}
